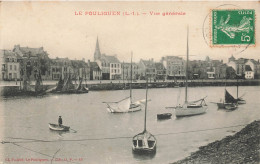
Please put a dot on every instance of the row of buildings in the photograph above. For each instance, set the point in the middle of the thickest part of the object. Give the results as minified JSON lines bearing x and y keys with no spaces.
{"x":24,"y":61}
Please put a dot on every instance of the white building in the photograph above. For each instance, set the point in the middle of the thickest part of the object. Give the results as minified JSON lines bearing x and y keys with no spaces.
{"x":10,"y":67}
{"x":249,"y":73}
{"x":115,"y":71}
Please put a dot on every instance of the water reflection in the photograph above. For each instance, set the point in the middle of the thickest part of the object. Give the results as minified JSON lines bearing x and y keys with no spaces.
{"x":143,"y":156}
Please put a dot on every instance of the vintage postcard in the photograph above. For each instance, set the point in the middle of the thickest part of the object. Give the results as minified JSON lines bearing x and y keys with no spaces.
{"x":94,"y":82}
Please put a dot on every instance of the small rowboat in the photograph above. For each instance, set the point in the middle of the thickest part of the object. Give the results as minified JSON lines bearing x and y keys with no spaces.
{"x":57,"y":127}
{"x":164,"y":116}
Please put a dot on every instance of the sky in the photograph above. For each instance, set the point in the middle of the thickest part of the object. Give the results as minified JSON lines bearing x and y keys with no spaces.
{"x":56,"y":27}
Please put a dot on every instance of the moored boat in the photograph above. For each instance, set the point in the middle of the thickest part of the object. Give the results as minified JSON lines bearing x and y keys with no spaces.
{"x":126,"y":104}
{"x":68,"y":87}
{"x":57,"y":127}
{"x":164,"y":116}
{"x":229,"y":103}
{"x":193,"y":107}
{"x":145,"y":142}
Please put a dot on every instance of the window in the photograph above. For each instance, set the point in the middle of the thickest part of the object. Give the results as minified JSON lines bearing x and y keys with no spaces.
{"x":15,"y":67}
{"x":10,"y":67}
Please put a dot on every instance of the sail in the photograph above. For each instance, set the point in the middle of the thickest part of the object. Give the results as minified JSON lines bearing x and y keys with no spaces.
{"x":79,"y":87}
{"x":68,"y":85}
{"x":120,"y":106}
{"x":229,"y":98}
{"x":60,"y":85}
{"x":38,"y":84}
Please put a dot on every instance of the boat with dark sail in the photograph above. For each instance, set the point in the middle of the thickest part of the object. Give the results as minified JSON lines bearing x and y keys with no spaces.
{"x":192,"y":107}
{"x":26,"y":89}
{"x":144,"y":142}
{"x":229,"y":103}
{"x":67,"y":87}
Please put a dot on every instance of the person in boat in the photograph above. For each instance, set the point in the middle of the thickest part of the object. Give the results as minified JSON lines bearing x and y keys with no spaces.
{"x":60,"y":121}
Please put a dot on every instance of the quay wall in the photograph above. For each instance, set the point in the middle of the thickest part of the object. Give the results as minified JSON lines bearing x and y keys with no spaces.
{"x":14,"y":90}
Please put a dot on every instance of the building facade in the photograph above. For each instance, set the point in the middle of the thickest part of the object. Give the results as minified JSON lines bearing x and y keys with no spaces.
{"x":160,"y":71}
{"x":95,"y":71}
{"x":115,"y":71}
{"x":110,"y":66}
{"x":126,"y":71}
{"x":147,"y":69}
{"x":255,"y":66}
{"x":61,"y":68}
{"x":10,"y":65}
{"x":175,"y":67}
{"x":33,"y":61}
{"x":249,"y":73}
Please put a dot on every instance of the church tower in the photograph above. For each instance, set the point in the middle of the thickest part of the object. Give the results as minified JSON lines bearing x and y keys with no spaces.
{"x":232,"y":58}
{"x":97,"y":54}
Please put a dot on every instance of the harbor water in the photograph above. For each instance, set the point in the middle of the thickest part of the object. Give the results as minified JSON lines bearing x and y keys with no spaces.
{"x":97,"y":136}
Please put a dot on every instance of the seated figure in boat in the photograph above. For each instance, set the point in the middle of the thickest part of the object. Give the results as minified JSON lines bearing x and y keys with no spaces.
{"x":60,"y":121}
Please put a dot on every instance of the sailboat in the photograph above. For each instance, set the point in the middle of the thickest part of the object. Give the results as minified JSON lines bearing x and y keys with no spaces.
{"x":239,"y":100}
{"x":126,"y":104}
{"x":68,"y":87}
{"x":144,"y":142}
{"x":39,"y":89}
{"x":193,"y":107}
{"x":230,"y":103}
{"x":28,"y":90}
{"x":81,"y":88}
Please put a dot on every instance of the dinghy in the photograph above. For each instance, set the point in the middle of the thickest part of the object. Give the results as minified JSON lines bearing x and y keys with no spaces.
{"x":57,"y":127}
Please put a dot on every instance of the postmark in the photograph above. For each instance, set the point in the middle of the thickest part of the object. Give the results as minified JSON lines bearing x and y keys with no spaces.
{"x":234,"y":27}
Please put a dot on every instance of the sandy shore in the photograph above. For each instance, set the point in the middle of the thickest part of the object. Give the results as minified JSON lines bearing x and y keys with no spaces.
{"x":242,"y":147}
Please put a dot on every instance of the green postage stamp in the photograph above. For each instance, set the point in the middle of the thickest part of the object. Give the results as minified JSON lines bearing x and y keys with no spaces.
{"x":233,"y":27}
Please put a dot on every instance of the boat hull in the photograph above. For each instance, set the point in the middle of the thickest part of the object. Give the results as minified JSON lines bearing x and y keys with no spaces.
{"x":144,"y":143}
{"x":228,"y":106}
{"x":164,"y":116}
{"x":182,"y":112}
{"x":241,"y":102}
{"x":221,"y":105}
{"x":144,"y":150}
{"x":133,"y":108}
{"x":56,"y":127}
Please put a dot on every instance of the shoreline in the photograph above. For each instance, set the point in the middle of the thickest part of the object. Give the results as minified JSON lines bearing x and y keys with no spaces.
{"x":242,"y":147}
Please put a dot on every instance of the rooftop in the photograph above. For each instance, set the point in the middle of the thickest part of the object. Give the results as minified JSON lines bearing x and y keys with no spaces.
{"x":109,"y":59}
{"x":248,"y":68}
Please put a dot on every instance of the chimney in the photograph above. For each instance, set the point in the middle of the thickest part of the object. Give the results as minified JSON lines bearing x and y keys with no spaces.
{"x":83,"y":59}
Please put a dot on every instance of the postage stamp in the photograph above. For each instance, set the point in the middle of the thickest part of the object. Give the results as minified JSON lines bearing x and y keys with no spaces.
{"x":232,"y":27}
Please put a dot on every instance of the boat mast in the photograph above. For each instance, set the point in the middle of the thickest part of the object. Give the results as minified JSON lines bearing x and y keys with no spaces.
{"x":145,"y":103}
{"x":237,"y":86}
{"x":186,"y":80}
{"x":131,"y":78}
